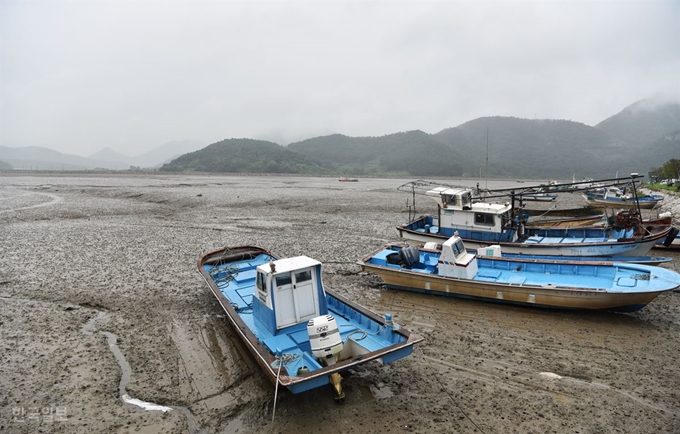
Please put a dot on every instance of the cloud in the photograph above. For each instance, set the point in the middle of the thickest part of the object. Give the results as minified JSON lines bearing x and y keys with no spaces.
{"x":79,"y":76}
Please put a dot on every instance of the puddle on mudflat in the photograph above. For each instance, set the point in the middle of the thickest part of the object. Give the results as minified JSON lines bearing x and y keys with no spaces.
{"x":381,"y":391}
{"x":89,"y":328}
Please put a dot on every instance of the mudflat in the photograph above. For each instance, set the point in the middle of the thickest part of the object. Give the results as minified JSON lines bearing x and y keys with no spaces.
{"x":108,"y":327}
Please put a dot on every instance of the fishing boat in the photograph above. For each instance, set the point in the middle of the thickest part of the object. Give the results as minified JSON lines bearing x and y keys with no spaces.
{"x":345,"y":179}
{"x":454,"y":271}
{"x":625,"y":217}
{"x":560,"y":213}
{"x":645,"y":260}
{"x":482,"y":223}
{"x":567,"y":222}
{"x":615,"y":197}
{"x":538,"y":195}
{"x":302,"y":334}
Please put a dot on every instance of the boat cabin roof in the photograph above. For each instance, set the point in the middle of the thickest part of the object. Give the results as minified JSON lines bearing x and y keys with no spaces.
{"x":462,"y":199}
{"x":446,"y":190}
{"x":492,"y":208}
{"x":456,"y":198}
{"x":289,"y":264}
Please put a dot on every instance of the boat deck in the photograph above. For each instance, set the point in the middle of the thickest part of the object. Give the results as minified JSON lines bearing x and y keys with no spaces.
{"x":612,"y":277}
{"x":537,"y":239}
{"x":357,"y":330}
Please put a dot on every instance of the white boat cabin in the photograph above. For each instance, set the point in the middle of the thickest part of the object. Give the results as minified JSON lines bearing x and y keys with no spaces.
{"x":455,"y":261}
{"x":457,"y":210}
{"x":289,"y":292}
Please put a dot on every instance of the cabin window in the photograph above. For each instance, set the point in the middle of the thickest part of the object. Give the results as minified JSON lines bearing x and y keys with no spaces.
{"x":261,"y":281}
{"x":303,"y":276}
{"x":458,"y":248}
{"x":484,"y":219}
{"x":283,"y":280}
{"x":466,"y":199}
{"x":449,"y":199}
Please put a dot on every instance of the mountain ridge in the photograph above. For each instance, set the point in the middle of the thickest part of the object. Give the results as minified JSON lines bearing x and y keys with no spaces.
{"x":516,"y":147}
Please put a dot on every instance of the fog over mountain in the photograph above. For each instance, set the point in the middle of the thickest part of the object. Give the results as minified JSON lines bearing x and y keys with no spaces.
{"x":42,"y":158}
{"x":638,"y":138}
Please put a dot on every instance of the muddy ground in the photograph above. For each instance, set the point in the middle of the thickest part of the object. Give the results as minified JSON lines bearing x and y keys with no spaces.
{"x":100,"y":298}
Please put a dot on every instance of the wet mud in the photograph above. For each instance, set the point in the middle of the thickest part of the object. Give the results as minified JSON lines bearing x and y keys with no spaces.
{"x":108,"y":327}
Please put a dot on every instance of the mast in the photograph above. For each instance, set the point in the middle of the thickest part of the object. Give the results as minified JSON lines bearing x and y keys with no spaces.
{"x":635,"y":196}
{"x":486,"y":174}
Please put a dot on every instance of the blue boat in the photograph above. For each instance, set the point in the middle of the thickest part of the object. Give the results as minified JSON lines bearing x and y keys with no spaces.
{"x":539,"y":195}
{"x":454,"y":271}
{"x":302,"y":334}
{"x":615,"y":197}
{"x":482,"y":223}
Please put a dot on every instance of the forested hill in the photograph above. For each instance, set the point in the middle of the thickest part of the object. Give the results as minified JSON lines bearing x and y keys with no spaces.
{"x":643,"y":120}
{"x":517,"y":148}
{"x":531,"y":148}
{"x":244,"y":156}
{"x":413,"y":153}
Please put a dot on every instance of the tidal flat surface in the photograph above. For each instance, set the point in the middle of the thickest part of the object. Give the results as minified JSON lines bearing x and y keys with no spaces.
{"x":108,"y":327}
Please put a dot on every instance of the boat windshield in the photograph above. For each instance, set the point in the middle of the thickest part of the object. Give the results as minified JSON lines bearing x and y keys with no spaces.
{"x":449,"y":199}
{"x":459,"y":199}
{"x":458,"y":248}
{"x":466,"y":199}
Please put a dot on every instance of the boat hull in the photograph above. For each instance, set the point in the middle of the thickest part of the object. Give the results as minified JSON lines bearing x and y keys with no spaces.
{"x":643,"y":260}
{"x":645,"y":202}
{"x":608,"y":248}
{"x":338,"y":305}
{"x":539,"y":197}
{"x":517,"y":295}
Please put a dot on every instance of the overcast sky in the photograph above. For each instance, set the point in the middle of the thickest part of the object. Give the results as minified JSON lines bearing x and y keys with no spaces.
{"x":82,"y":75}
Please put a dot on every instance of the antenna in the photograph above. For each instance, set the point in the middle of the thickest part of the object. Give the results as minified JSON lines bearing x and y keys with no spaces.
{"x":486,"y":174}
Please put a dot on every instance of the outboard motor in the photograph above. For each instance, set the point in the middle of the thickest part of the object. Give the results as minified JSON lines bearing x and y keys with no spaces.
{"x":324,"y":338}
{"x":410,"y":256}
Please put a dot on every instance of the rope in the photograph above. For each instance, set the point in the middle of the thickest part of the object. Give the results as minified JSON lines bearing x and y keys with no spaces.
{"x":246,"y":309}
{"x":363,"y":332}
{"x":548,"y":210}
{"x":276,"y":392}
{"x":283,"y":359}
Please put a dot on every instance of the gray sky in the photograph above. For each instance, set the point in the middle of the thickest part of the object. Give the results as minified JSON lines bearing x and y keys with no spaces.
{"x":82,"y":75}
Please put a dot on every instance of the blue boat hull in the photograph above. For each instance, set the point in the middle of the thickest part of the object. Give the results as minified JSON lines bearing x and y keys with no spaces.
{"x":587,"y":241}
